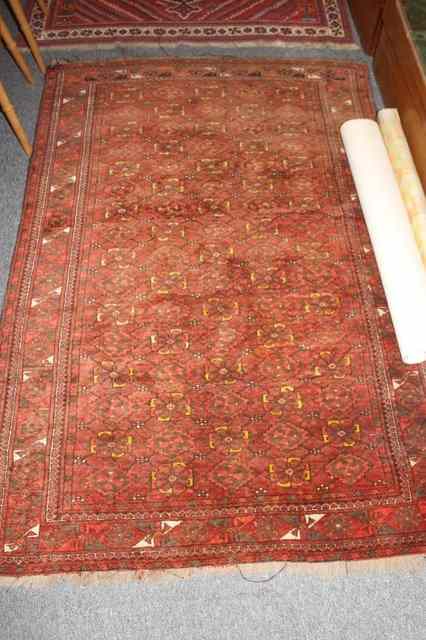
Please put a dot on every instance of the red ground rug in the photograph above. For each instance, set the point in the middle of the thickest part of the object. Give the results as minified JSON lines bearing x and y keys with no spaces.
{"x":306,"y":22}
{"x":198,"y":364}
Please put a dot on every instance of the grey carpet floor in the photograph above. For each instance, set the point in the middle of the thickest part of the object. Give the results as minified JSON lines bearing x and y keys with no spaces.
{"x":216,"y":607}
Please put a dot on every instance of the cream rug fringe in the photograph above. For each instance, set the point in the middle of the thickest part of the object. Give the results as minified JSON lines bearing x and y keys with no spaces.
{"x":200,"y":45}
{"x":255,"y":572}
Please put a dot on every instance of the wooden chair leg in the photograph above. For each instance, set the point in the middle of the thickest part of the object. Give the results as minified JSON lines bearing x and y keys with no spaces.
{"x":43,"y":6}
{"x":26,"y":30}
{"x":16,"y":54}
{"x":11,"y":115}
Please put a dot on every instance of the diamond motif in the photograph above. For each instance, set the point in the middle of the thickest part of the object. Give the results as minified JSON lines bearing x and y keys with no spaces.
{"x":286,"y":436}
{"x":348,"y":468}
{"x":231,"y":474}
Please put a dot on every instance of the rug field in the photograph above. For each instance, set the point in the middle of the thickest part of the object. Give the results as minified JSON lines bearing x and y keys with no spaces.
{"x":198,"y":366}
{"x":83,"y":22}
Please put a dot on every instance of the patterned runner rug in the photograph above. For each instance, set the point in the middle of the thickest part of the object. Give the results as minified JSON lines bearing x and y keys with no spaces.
{"x":84,"y":22}
{"x":198,"y":364}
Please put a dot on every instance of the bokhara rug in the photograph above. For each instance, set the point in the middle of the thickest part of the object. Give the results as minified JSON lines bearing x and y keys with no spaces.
{"x":198,"y":364}
{"x":306,"y":22}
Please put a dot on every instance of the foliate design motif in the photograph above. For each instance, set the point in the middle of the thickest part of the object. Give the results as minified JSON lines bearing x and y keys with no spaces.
{"x":315,"y":21}
{"x":199,"y":359}
{"x":183,"y":8}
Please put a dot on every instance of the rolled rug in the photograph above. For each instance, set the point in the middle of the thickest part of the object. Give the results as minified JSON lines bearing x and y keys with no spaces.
{"x":401,"y":267}
{"x":406,"y":174}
